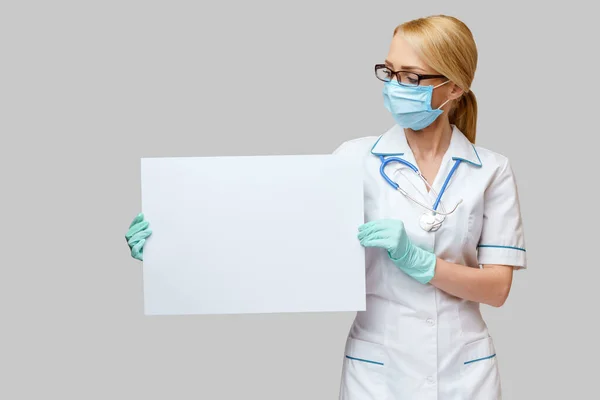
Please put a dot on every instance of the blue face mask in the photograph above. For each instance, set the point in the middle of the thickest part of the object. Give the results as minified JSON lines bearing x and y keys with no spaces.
{"x":411,"y":105}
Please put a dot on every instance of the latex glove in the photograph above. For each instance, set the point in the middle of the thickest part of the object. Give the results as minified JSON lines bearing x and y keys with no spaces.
{"x":136,"y":236}
{"x":390,"y":235}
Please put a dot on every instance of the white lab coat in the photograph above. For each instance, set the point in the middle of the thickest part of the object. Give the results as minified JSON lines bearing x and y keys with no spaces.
{"x":415,"y":341}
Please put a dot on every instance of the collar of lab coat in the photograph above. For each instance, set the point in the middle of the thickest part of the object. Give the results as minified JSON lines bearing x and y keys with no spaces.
{"x":394,"y":143}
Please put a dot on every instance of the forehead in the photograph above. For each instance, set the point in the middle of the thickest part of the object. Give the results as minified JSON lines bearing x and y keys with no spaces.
{"x":401,"y":55}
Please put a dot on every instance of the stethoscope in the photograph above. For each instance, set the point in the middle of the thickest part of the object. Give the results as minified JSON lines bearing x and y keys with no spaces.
{"x":432,"y":219}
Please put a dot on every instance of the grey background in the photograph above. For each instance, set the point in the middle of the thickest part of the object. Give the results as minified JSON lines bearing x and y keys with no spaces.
{"x":88,"y":88}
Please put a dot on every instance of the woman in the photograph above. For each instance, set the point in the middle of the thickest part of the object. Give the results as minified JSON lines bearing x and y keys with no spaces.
{"x":443,"y":231}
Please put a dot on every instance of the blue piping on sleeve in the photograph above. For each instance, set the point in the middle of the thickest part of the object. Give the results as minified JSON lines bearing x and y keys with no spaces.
{"x":501,"y":247}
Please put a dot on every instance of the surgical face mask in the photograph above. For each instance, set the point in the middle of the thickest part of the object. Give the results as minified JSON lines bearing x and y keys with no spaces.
{"x":411,"y":105}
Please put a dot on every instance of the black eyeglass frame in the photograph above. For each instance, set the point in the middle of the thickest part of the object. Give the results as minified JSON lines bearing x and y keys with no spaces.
{"x":419,"y":76}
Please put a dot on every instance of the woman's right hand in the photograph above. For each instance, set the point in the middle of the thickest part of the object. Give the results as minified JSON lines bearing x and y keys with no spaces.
{"x":136,"y":236}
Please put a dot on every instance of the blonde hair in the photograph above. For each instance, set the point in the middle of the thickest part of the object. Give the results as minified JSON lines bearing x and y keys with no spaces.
{"x":446,"y":44}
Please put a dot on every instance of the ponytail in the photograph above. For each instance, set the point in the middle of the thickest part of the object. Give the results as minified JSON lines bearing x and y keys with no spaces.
{"x":464,"y":115}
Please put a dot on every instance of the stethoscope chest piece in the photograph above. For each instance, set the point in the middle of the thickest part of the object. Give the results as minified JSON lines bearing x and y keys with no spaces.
{"x":430,"y":222}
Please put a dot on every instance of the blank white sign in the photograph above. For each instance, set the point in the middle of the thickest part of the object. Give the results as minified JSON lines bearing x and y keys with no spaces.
{"x":259,"y":234}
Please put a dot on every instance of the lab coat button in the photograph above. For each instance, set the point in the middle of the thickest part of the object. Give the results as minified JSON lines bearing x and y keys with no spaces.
{"x":430,"y":380}
{"x":430,"y":321}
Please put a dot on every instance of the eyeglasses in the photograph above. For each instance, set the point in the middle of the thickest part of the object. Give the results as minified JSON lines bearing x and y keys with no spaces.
{"x":382,"y":72}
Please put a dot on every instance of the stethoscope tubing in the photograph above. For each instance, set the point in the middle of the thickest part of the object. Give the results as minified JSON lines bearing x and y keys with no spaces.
{"x":434,"y":210}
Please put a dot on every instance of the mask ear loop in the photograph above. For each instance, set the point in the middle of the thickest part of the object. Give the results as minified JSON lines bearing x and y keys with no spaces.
{"x":435,"y":87}
{"x":443,"y":104}
{"x":441,"y":84}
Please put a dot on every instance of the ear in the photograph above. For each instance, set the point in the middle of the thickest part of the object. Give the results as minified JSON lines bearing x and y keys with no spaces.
{"x":455,"y":92}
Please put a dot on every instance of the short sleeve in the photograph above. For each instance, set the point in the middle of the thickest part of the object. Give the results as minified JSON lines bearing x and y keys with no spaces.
{"x":502,"y":238}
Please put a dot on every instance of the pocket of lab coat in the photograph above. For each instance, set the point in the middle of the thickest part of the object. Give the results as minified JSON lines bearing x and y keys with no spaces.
{"x":364,"y":371}
{"x":480,"y":370}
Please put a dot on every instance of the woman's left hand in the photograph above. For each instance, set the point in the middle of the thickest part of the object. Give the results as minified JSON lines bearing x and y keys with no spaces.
{"x":390,"y":235}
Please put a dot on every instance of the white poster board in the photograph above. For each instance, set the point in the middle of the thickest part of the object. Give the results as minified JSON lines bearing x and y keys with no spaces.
{"x":253,"y":234}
